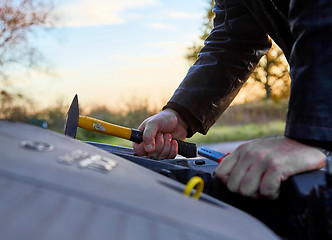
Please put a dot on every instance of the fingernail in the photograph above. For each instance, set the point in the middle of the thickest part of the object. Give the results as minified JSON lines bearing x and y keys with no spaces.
{"x":169,"y":138}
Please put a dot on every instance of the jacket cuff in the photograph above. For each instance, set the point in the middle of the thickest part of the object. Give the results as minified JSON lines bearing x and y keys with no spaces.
{"x":193,"y":124}
{"x":314,"y":143}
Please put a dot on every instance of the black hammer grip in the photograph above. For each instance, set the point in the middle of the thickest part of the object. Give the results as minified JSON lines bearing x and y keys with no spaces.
{"x":185,"y":149}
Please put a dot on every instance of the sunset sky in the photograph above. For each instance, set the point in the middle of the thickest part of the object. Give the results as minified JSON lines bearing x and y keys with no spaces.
{"x":114,"y":51}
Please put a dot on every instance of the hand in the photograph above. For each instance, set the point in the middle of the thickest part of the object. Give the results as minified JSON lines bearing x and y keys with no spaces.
{"x":257,"y":168}
{"x":158,"y":132}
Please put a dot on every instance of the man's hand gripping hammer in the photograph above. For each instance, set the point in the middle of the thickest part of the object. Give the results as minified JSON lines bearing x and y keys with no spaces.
{"x":74,"y":120}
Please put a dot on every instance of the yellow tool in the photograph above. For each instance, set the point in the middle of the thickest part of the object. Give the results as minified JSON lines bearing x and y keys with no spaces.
{"x":96,"y":125}
{"x":74,"y":120}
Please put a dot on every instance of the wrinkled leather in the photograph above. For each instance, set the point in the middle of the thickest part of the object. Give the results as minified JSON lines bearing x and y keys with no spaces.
{"x":302,"y":29}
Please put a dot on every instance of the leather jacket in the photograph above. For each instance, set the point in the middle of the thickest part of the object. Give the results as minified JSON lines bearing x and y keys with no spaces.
{"x":240,"y":37}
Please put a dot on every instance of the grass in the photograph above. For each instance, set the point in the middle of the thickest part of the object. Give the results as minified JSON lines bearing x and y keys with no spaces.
{"x":215,"y":134}
{"x":240,"y":132}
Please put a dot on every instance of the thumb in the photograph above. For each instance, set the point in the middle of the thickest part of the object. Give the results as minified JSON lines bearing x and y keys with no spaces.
{"x":149,"y":134}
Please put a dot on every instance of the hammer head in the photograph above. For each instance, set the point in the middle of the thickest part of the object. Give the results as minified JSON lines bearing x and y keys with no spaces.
{"x":72,"y":118}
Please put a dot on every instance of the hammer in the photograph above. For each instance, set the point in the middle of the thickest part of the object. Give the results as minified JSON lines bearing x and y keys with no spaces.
{"x":74,"y":120}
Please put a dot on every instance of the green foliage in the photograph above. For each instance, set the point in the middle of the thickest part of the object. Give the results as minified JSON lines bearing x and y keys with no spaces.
{"x":235,"y":124}
{"x":216,"y":134}
{"x":254,"y":112}
{"x":14,"y":106}
{"x":247,"y":121}
{"x":240,"y":132}
{"x":54,"y":115}
{"x":136,"y":112}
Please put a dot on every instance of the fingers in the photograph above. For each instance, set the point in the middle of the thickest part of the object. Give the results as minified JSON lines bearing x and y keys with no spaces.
{"x":159,"y":145}
{"x":225,"y":167}
{"x":249,"y":178}
{"x":158,"y":132}
{"x":258,"y":168}
{"x":167,"y":139}
{"x":250,"y":174}
{"x":163,"y":122}
{"x":174,"y":149}
{"x":240,"y":175}
{"x":139,"y":149}
{"x":237,"y":175}
{"x":166,"y":147}
{"x":250,"y":184}
{"x":270,"y":184}
{"x":149,"y":135}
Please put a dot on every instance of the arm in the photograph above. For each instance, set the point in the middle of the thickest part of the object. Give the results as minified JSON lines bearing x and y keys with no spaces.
{"x":309,"y":118}
{"x":258,"y":168}
{"x":229,"y":56}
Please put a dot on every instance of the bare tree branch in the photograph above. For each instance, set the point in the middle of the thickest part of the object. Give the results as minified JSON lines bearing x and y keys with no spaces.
{"x":18,"y":19}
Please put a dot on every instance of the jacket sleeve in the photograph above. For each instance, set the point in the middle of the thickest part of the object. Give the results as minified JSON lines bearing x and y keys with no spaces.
{"x":231,"y":53}
{"x":309,"y":116}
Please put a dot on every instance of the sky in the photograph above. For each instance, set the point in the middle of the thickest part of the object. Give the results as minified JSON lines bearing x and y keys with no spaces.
{"x":113,"y":52}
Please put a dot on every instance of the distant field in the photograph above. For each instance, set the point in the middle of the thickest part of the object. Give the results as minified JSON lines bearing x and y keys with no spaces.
{"x":216,"y":134}
{"x":240,"y":132}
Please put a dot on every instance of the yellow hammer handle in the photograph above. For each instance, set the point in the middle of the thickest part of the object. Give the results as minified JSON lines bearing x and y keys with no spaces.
{"x":96,"y":125}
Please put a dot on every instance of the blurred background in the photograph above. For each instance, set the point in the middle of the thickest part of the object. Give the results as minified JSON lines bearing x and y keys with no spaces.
{"x":124,"y":59}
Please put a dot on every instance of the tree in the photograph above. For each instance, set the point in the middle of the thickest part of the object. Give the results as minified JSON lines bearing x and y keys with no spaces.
{"x":18,"y":19}
{"x":271,"y":72}
{"x":193,"y":51}
{"x":13,"y":106}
